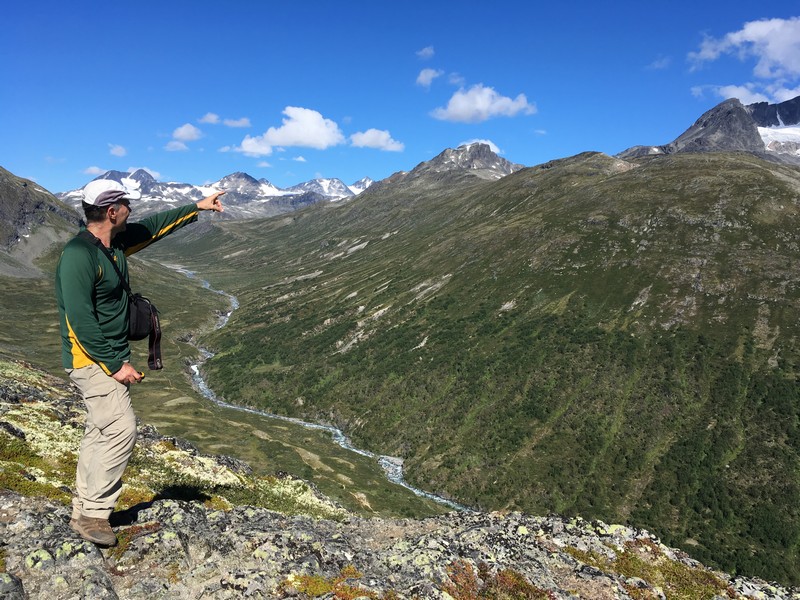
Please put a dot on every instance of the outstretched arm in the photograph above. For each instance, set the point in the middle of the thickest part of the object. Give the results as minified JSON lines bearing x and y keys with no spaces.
{"x":212,"y":202}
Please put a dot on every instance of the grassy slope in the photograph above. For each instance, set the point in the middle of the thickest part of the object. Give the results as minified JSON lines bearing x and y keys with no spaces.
{"x":583,"y":337}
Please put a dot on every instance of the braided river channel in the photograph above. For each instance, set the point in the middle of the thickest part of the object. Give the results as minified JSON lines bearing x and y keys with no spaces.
{"x":392,"y":467}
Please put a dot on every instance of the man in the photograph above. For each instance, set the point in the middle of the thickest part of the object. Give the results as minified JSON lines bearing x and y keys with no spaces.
{"x":93,"y":309}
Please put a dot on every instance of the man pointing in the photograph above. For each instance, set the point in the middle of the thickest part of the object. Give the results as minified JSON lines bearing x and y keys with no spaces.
{"x":93,"y":311}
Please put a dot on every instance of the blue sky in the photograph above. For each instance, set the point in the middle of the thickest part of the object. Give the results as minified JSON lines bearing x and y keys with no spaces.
{"x":291,"y":91}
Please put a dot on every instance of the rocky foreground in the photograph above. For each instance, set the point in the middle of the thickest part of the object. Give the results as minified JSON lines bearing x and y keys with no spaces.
{"x":197,"y":526}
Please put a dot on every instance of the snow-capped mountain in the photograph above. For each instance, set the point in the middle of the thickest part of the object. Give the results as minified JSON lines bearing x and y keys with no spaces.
{"x":245,"y":196}
{"x":165,"y":194}
{"x":332,"y":188}
{"x":778,"y":125}
{"x":241,"y":188}
{"x":360,"y":185}
{"x":476,"y":158}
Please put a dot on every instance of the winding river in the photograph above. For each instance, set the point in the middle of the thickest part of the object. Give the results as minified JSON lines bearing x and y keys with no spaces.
{"x":392,"y":466}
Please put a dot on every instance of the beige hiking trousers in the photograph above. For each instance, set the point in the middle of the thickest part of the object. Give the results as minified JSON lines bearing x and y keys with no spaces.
{"x":107,"y":443}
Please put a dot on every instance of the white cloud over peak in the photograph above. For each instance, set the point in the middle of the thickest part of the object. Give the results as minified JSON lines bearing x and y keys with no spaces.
{"x":94,"y":171}
{"x":492,"y":146}
{"x":376,"y":138}
{"x":301,"y":127}
{"x":243,"y":122}
{"x":426,"y":53}
{"x":774,"y":44}
{"x":782,"y":93}
{"x":254,"y":146}
{"x":209,"y":118}
{"x":187,"y":133}
{"x":117,"y":150}
{"x":745,"y":93}
{"x":480,"y":103}
{"x":426,"y":76}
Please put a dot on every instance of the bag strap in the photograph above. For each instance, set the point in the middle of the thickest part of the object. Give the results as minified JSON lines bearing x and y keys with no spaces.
{"x":90,"y":237}
{"x":154,"y":343}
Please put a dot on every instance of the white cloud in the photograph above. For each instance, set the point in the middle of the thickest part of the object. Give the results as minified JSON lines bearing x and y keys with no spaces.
{"x":426,"y":76}
{"x":117,"y":150}
{"x":94,"y":171}
{"x":480,"y":103}
{"x":426,"y":53}
{"x":745,"y":93}
{"x":209,"y":118}
{"x":457,"y":79}
{"x":263,"y":164}
{"x":254,"y":146}
{"x":782,"y":93}
{"x":376,"y":138}
{"x":243,"y":122}
{"x":187,"y":133}
{"x":302,"y":127}
{"x":155,"y":174}
{"x":659,"y":64}
{"x":301,"y":159}
{"x":492,"y":146}
{"x":773,"y":44}
{"x":176,"y":146}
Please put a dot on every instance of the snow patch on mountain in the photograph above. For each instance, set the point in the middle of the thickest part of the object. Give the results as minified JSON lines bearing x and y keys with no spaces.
{"x":783,"y":140}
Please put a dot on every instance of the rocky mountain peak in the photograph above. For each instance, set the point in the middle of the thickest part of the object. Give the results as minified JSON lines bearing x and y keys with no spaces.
{"x":142,"y":177}
{"x":238,"y":179}
{"x":775,"y":115}
{"x":476,"y":157}
{"x":727,"y":126}
{"x":762,"y":129}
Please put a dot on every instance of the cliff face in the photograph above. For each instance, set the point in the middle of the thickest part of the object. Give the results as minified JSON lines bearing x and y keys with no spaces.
{"x":204,"y":526}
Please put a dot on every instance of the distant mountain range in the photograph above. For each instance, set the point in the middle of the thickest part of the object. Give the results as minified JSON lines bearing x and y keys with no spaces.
{"x":246,"y":196}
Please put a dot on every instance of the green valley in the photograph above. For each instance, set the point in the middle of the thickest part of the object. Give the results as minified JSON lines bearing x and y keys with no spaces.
{"x":615,"y":339}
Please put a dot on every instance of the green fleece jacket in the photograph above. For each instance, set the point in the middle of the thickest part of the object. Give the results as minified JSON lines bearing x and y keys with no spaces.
{"x":92,"y":303}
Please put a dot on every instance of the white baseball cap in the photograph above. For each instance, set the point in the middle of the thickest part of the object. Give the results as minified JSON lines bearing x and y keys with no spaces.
{"x":105,"y":192}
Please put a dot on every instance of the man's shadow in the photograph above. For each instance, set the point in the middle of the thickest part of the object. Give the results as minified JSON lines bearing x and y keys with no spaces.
{"x":129,"y":516}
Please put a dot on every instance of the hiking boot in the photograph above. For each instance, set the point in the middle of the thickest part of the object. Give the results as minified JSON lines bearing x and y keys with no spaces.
{"x":97,"y":531}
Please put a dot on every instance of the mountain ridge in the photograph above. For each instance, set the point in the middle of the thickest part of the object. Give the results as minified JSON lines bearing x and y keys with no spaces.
{"x":733,"y":126}
{"x":248,"y":197}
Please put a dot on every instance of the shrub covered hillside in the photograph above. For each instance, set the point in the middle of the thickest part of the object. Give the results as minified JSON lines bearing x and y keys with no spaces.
{"x":597,"y":337}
